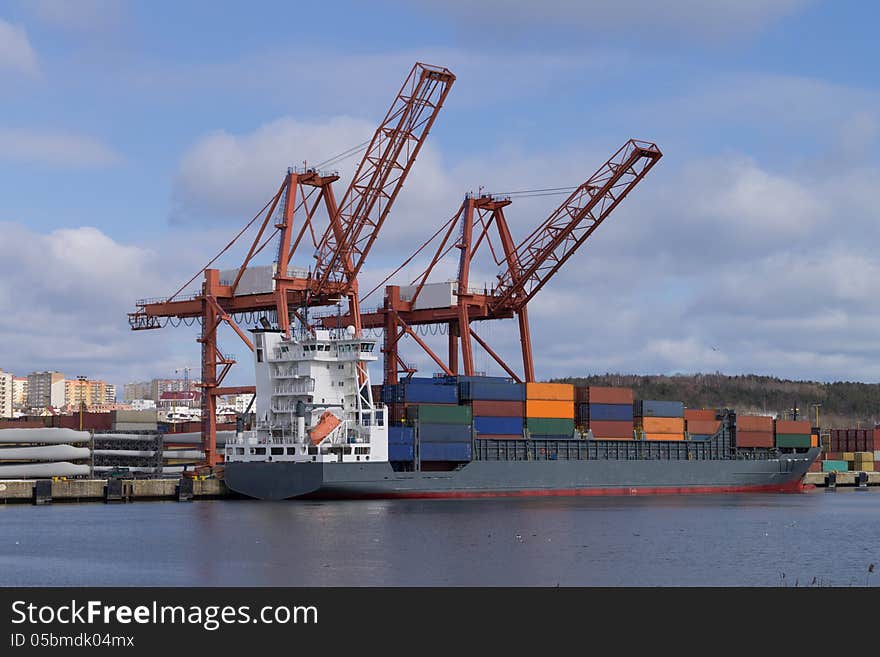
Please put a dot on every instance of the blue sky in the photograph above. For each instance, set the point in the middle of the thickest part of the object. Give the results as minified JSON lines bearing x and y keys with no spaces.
{"x":135,"y":137}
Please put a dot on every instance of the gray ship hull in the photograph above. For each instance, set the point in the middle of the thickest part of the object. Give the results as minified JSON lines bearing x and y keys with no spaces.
{"x":279,"y":480}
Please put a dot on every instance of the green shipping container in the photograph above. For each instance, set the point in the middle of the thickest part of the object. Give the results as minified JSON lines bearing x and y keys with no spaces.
{"x":792,"y":440}
{"x":439,"y":413}
{"x":835,"y":466}
{"x":550,"y":426}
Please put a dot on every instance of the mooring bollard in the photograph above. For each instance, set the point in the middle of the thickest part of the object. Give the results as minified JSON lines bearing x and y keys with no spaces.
{"x":831,"y":482}
{"x":862,"y":481}
{"x":185,"y":489}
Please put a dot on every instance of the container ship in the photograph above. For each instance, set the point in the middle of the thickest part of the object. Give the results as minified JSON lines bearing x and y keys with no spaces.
{"x":321,"y":431}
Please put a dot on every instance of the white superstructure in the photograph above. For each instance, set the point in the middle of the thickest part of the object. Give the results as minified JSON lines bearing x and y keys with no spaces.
{"x":314,"y":402}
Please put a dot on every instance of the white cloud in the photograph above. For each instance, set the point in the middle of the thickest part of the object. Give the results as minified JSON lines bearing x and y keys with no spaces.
{"x":16,"y":53}
{"x":663,"y":20}
{"x":64,"y":296}
{"x":80,"y":15}
{"x":233,"y":175}
{"x":55,"y":149}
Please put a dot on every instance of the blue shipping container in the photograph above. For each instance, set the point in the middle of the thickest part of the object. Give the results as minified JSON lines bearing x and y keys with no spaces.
{"x":445,"y":451}
{"x":399,"y":453}
{"x":484,"y":379}
{"x":400,"y":435}
{"x":491,"y":391}
{"x":654,"y":408}
{"x":392,"y":393}
{"x":444,"y":433}
{"x":426,"y":393}
{"x":498,"y":425}
{"x":611,"y":412}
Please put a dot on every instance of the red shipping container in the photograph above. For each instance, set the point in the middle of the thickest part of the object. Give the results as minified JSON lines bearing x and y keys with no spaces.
{"x":600,"y":395}
{"x":793,"y":426}
{"x":815,"y":466}
{"x":754,"y":438}
{"x":760,"y":423}
{"x":612,"y":429}
{"x":705,"y":414}
{"x":704,"y":427}
{"x":487,"y":408}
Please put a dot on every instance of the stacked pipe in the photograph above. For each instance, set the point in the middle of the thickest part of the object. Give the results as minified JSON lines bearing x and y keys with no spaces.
{"x":43,"y":452}
{"x":550,"y":411}
{"x":659,"y":420}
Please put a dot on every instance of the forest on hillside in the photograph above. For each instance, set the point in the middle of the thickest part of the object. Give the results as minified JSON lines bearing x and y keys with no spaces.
{"x":844,"y":404}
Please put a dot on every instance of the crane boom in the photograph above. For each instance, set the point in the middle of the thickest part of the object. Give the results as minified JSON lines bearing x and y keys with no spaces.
{"x":540,"y":255}
{"x":388,"y":159}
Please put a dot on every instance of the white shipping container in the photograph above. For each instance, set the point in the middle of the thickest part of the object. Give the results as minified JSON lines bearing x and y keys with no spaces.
{"x":433,"y":295}
{"x":255,"y":280}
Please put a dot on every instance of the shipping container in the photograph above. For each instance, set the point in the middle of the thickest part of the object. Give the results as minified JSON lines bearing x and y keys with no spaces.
{"x":612,"y":412}
{"x":792,"y":440}
{"x":445,"y":451}
{"x":429,"y":393}
{"x":792,"y":426}
{"x":814,"y":440}
{"x":550,"y":391}
{"x":867,"y":466}
{"x":606,"y":395}
{"x":606,"y":429}
{"x":439,"y":413}
{"x":549,"y":409}
{"x":754,"y":423}
{"x":658,"y":408}
{"x":700,"y":436}
{"x":498,"y":425}
{"x":490,"y":408}
{"x":754,"y":438}
{"x":444,"y":433}
{"x":703,"y":414}
{"x":400,"y":435}
{"x":662,"y":436}
{"x":703,"y":426}
{"x":398,"y":452}
{"x":877,"y":454}
{"x":662,"y":425}
{"x":549,"y":426}
{"x":491,"y":390}
{"x":849,"y":456}
{"x":829,"y":465}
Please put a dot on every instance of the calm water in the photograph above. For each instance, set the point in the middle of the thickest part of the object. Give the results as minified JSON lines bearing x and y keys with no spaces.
{"x":697,"y":540}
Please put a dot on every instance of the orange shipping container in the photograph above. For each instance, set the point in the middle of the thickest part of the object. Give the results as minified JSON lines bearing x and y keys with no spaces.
{"x":549,"y":409}
{"x":551,"y":392}
{"x":600,"y":395}
{"x":703,"y":427}
{"x":663,"y":425}
{"x":706,"y":414}
{"x":754,"y":423}
{"x":664,"y":436}
{"x":814,"y":440}
{"x":791,"y":426}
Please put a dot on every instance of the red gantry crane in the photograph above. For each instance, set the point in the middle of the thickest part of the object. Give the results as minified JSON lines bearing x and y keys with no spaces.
{"x":525,"y":268}
{"x":351,"y":230}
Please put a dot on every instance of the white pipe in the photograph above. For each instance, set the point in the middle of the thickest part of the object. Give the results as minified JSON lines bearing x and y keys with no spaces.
{"x":43,"y":435}
{"x":44,"y":453}
{"x":42,"y":470}
{"x":168,"y":453}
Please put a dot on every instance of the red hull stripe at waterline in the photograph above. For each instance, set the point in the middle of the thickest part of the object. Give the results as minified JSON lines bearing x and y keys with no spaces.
{"x":789,"y":487}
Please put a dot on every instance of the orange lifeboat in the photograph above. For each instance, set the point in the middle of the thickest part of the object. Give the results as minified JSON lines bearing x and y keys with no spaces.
{"x":326,"y":424}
